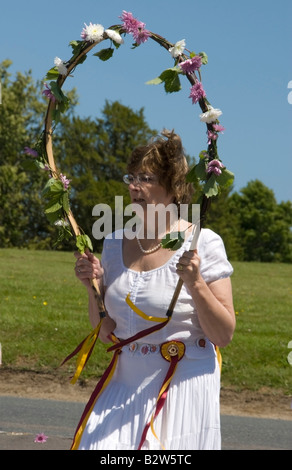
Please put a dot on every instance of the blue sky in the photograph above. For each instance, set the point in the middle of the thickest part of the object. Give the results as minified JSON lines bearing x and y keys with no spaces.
{"x":249,"y":48}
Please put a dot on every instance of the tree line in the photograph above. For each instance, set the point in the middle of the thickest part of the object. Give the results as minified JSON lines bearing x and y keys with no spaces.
{"x":93,"y":154}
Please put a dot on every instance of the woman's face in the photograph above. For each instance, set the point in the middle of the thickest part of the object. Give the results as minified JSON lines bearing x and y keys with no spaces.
{"x":151,"y":192}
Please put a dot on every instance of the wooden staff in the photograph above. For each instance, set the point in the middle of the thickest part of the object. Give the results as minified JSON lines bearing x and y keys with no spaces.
{"x":49,"y":150}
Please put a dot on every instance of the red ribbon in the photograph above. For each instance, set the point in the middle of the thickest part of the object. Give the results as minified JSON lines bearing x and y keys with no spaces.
{"x":161,"y":399}
{"x":97,"y":391}
{"x":139,"y":335}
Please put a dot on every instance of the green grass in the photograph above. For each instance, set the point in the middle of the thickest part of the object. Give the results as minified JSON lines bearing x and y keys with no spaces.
{"x":43,"y":317}
{"x":257,"y":356}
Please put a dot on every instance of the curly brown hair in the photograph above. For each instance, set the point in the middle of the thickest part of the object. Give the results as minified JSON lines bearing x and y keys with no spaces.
{"x":164,"y":157}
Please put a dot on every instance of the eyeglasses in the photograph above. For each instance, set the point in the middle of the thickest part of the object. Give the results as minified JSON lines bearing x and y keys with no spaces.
{"x":139,"y":179}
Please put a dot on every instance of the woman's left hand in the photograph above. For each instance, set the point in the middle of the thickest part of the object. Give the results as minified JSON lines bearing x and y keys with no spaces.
{"x":188,"y":267}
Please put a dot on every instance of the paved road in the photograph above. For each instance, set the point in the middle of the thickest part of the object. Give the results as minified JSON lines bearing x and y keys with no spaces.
{"x":21,"y":419}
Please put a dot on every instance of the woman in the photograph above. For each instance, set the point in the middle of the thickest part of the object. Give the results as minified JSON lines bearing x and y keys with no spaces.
{"x":140,"y":271}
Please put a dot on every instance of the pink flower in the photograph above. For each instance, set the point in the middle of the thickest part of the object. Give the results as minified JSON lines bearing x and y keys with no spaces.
{"x":49,"y":94}
{"x":29,"y":151}
{"x":65,"y":181}
{"x":197,"y":92}
{"x":218,"y":128}
{"x":135,"y":27}
{"x":190,"y":65}
{"x":212,"y":136}
{"x":215,"y":167}
{"x":131,"y":24}
{"x":141,"y":36}
{"x":41,"y":438}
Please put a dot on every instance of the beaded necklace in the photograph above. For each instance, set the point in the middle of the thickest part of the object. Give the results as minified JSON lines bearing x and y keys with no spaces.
{"x":155,"y":248}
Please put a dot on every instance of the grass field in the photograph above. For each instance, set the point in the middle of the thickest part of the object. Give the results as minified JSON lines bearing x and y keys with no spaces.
{"x":43,"y":316}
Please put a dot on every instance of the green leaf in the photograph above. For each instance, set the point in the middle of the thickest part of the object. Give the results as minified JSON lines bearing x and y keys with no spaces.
{"x":210,"y":188}
{"x":226,"y":178}
{"x":203,"y":154}
{"x":200,"y":170}
{"x":83,"y":242}
{"x":39,"y":164}
{"x":56,"y":115}
{"x":53,"y":186}
{"x":65,"y":202}
{"x":171,"y":80}
{"x":191,"y":175}
{"x":197,"y":172}
{"x":105,"y":54}
{"x":54,"y":203}
{"x":53,"y":207}
{"x":56,"y":90}
{"x":63,"y":105}
{"x":52,"y":74}
{"x":64,"y":233}
{"x":76,"y":47}
{"x":204,"y":57}
{"x":62,"y":99}
{"x":154,"y":81}
{"x":172,"y":241}
{"x":53,"y":216}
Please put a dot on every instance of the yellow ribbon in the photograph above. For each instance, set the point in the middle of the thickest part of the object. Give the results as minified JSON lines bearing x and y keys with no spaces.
{"x":85,"y":350}
{"x":163,"y":388}
{"x":219,"y":358}
{"x":141,"y":313}
{"x":172,"y":351}
{"x":97,"y":392}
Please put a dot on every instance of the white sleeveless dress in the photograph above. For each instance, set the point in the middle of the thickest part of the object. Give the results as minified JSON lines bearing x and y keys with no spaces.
{"x":190,"y":417}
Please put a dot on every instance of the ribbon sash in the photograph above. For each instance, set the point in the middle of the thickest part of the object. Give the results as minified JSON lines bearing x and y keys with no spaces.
{"x":84,"y":349}
{"x":102,"y":384}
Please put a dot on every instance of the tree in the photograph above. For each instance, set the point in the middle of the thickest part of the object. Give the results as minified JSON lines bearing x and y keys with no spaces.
{"x":20,"y":122}
{"x":224,"y":221}
{"x":253,"y":226}
{"x":94,"y":155}
{"x":22,"y":219}
{"x":264,"y":225}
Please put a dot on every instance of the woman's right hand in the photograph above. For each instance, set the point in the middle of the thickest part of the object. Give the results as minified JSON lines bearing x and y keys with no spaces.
{"x":87,"y":267}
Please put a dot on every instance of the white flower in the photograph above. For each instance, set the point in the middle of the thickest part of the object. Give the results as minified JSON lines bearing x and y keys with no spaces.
{"x":211,"y":115}
{"x":114,"y":36}
{"x":62,"y":69}
{"x":178,"y":48}
{"x":92,"y":32}
{"x":61,"y":223}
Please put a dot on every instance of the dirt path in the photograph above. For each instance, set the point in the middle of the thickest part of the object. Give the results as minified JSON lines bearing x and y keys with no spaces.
{"x":265,"y":403}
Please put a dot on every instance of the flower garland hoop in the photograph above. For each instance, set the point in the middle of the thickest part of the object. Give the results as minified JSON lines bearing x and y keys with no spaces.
{"x":209,"y":171}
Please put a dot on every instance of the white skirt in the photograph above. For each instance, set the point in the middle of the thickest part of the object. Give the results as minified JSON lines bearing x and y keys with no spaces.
{"x":189,"y":419}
